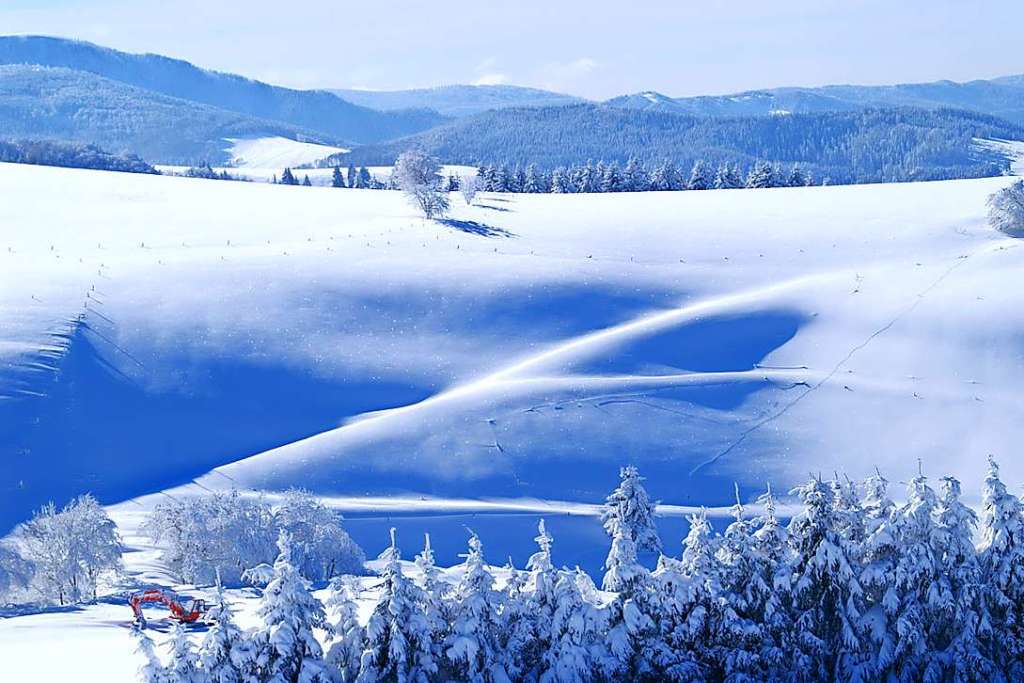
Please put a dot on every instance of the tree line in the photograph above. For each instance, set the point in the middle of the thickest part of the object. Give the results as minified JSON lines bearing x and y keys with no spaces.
{"x":636,"y":176}
{"x":853,"y":588}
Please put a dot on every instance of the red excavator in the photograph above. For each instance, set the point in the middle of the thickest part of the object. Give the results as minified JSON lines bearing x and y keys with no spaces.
{"x":184,"y":610}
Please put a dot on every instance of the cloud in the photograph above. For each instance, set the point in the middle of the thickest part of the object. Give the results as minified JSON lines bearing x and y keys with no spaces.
{"x":566,"y":74}
{"x":491,"y":79}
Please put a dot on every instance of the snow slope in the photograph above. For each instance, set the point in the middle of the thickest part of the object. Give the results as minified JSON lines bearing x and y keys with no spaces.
{"x":172,"y":335}
{"x":161,"y":330}
{"x":276,"y":152}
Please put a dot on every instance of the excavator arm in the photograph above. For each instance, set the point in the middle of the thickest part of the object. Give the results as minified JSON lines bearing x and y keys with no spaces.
{"x":186,"y":613}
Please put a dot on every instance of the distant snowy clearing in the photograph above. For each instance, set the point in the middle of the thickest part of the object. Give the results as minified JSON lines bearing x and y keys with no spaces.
{"x":276,"y":152}
{"x":1013,"y":150}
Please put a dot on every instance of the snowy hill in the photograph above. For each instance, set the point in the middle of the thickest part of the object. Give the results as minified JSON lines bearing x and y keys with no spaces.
{"x":158,"y":330}
{"x":276,"y":152}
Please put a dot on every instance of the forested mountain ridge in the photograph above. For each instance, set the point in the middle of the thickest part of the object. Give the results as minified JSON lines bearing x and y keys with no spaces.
{"x":315,"y":110}
{"x":1002,"y":97}
{"x":858,"y":146}
{"x":52,"y":103}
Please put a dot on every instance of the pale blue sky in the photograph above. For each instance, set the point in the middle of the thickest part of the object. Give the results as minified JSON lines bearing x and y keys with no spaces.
{"x":594,"y":49}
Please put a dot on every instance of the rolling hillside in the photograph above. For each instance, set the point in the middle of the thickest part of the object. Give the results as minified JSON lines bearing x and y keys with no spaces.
{"x":870,"y":145}
{"x":159,"y":330}
{"x":61,"y":104}
{"x":320,"y":112}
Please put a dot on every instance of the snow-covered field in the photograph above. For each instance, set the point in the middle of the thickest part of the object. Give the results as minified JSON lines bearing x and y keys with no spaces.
{"x":276,"y":152}
{"x":158,"y":331}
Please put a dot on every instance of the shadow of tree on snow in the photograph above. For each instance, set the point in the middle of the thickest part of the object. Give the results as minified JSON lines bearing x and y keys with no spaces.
{"x":475,"y":228}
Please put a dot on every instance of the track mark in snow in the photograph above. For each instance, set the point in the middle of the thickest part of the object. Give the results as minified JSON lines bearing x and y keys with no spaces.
{"x":960,"y":260}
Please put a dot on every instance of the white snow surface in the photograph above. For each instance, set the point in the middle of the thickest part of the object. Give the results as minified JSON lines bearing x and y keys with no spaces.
{"x":177,"y":335}
{"x":276,"y":152}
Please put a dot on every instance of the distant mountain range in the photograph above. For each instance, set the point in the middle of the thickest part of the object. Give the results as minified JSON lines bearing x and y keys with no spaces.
{"x":170,"y":111}
{"x":320,"y":112}
{"x":1002,"y":97}
{"x":457,"y":100}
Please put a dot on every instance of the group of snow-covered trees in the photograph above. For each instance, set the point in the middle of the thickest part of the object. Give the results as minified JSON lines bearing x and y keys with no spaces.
{"x":61,"y":555}
{"x":853,"y":588}
{"x":229,"y":533}
{"x":636,"y":177}
{"x":1006,"y":209}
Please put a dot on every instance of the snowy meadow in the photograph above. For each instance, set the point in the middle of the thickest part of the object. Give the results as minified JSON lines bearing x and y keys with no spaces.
{"x":260,"y":377}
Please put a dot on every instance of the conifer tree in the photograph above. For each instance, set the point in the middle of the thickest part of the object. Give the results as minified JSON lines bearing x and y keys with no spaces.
{"x":337,"y":179}
{"x":398,"y":643}
{"x":701,"y":177}
{"x":1002,"y":553}
{"x":611,"y":180}
{"x":827,"y":596}
{"x":634,"y":177}
{"x":152,"y":670}
{"x":761,"y":176}
{"x":745,"y":589}
{"x":529,"y":623}
{"x":574,"y":645}
{"x":630,"y":507}
{"x":364,"y":180}
{"x":305,"y":181}
{"x":226,"y":654}
{"x":916,"y":575}
{"x":288,"y":178}
{"x":473,"y":646}
{"x":559,"y":182}
{"x":772,"y":595}
{"x":631,"y":628}
{"x":962,"y":625}
{"x":348,"y":636}
{"x":350,"y":176}
{"x":433,"y":600}
{"x":289,"y":650}
{"x":183,"y":665}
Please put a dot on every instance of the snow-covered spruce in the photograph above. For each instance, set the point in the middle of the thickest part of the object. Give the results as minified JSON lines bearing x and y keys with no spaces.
{"x":855,"y":588}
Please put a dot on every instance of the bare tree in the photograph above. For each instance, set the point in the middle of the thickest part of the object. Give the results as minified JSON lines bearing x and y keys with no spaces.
{"x":419,"y":177}
{"x":1006,"y":209}
{"x":468,"y":186}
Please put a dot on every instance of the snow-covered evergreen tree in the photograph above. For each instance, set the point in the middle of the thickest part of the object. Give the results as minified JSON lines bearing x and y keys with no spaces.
{"x":916,"y":575}
{"x":226,"y":654}
{"x":761,"y":176}
{"x":289,"y":651}
{"x":529,"y":611}
{"x":827,"y":595}
{"x":611,"y":178}
{"x":398,"y":635}
{"x":337,"y":179}
{"x":745,"y":588}
{"x":559,"y":181}
{"x":771,"y":596}
{"x":631,"y":654}
{"x":473,"y":647}
{"x":183,"y":664}
{"x":701,"y":176}
{"x":1002,"y":536}
{"x":433,"y":600}
{"x":629,"y":506}
{"x":961,"y":625}
{"x":574,"y":648}
{"x":152,"y":670}
{"x":347,"y":635}
{"x":634,"y":177}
